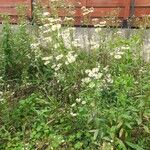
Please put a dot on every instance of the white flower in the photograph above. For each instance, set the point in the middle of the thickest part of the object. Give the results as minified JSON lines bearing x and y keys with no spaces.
{"x":94,"y":73}
{"x":54,"y":0}
{"x":83,"y":8}
{"x":59,"y":57}
{"x":57,"y":67}
{"x":46,"y":62}
{"x":46,"y":14}
{"x":86,"y":80}
{"x":125,"y":47}
{"x":92,"y":104}
{"x":56,"y":75}
{"x":106,"y":68}
{"x":51,"y":20}
{"x":35,"y":45}
{"x":78,"y":100}
{"x":110,"y":80}
{"x":111,"y":54}
{"x":120,"y":53}
{"x":76,"y":43}
{"x":73,"y":105}
{"x":98,"y":76}
{"x":87,"y":71}
{"x":92,"y":85}
{"x":86,"y":11}
{"x":97,"y":30}
{"x":119,"y":32}
{"x":1,"y":99}
{"x":90,"y":74}
{"x":111,"y":141}
{"x":46,"y":25}
{"x":56,"y":45}
{"x":1,"y":93}
{"x":47,"y":58}
{"x":66,"y":63}
{"x":48,"y":39}
{"x":56,"y":27}
{"x":53,"y":66}
{"x":46,"y":31}
{"x":70,"y":58}
{"x":83,"y":102}
{"x":73,"y":114}
{"x":68,"y":19}
{"x":108,"y":75}
{"x":102,"y":23}
{"x":95,"y":20}
{"x":117,"y":56}
{"x":95,"y":70}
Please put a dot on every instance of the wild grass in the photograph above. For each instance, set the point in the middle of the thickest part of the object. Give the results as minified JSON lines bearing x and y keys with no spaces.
{"x":54,"y":94}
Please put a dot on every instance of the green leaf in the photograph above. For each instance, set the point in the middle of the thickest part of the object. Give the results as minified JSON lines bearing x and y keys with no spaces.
{"x":139,"y":121}
{"x":39,"y":128}
{"x":79,"y":134}
{"x":78,"y":145}
{"x":134,"y":146}
{"x":146,"y":129}
{"x":96,"y":134}
{"x":128,"y":125}
{"x":121,"y":145}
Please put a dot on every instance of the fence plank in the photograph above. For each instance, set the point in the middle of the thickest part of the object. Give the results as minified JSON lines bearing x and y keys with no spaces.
{"x":101,"y":7}
{"x":9,"y":7}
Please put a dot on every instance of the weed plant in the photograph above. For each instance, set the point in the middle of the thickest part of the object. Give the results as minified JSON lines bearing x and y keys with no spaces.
{"x":57,"y":95}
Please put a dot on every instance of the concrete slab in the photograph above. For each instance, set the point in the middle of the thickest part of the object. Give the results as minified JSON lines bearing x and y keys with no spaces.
{"x":86,"y":34}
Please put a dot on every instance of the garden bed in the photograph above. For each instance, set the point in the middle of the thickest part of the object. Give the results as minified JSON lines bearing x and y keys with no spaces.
{"x":58,"y":94}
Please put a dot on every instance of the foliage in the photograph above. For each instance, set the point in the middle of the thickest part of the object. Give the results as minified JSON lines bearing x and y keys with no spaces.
{"x":57,"y":94}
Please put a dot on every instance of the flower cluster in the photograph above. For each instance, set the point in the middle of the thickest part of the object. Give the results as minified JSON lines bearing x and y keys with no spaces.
{"x":71,"y":57}
{"x":76,"y":43}
{"x":35,"y":47}
{"x":86,"y":11}
{"x":98,"y":29}
{"x":59,"y":57}
{"x":69,"y":20}
{"x":1,"y":95}
{"x":107,"y":80}
{"x":94,"y":44}
{"x":58,"y":63}
{"x":93,"y":74}
{"x":57,"y":67}
{"x":46,"y":14}
{"x":117,"y":54}
{"x":47,"y":59}
{"x":67,"y":35}
{"x":56,"y":27}
{"x":75,"y":107}
{"x":99,"y":24}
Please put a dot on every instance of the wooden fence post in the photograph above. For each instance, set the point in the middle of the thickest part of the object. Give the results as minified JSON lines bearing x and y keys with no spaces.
{"x":127,"y":4}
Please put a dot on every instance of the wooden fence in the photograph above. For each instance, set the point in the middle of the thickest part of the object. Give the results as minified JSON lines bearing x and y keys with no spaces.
{"x":125,"y":8}
{"x":9,"y":7}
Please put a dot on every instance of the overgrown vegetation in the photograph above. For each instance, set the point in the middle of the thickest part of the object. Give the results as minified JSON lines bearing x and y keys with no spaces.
{"x":54,"y":94}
